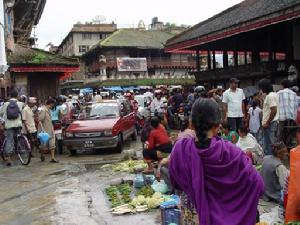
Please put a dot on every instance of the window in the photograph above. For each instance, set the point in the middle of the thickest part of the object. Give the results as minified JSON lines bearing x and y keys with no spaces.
{"x":101,"y":36}
{"x":167,"y":75}
{"x":84,"y":48}
{"x":280,"y":56}
{"x":219,"y":59}
{"x":264,"y":56}
{"x":87,"y":36}
{"x":249,"y":57}
{"x":230,"y":58}
{"x":241,"y":58}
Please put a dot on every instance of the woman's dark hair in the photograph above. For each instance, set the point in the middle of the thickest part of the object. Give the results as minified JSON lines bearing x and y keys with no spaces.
{"x":14,"y":94}
{"x":254,"y":105}
{"x":205,"y":115}
{"x":50,"y":101}
{"x":185,"y":124}
{"x":225,"y":126}
{"x":265,"y":85}
{"x":155,"y":122}
{"x":286,"y":83}
{"x":277,"y":147}
{"x":243,"y":130}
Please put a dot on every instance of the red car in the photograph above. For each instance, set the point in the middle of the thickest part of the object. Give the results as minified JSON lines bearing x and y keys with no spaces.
{"x":106,"y":125}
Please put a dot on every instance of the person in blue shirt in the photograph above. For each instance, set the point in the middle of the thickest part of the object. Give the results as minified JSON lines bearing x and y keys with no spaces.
{"x":55,"y":112}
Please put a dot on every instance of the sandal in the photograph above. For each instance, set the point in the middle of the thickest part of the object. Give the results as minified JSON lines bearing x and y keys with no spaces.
{"x":54,"y":161}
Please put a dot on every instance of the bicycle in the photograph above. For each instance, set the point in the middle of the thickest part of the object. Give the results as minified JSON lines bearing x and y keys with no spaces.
{"x":22,"y":148}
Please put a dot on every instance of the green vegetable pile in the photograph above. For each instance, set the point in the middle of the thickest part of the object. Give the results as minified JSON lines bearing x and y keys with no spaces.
{"x":151,"y":202}
{"x":119,"y":195}
{"x":125,"y":191}
{"x":129,"y":166}
{"x":146,"y":191}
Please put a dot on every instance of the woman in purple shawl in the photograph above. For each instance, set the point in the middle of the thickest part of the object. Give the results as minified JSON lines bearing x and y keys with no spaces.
{"x":216,"y":176}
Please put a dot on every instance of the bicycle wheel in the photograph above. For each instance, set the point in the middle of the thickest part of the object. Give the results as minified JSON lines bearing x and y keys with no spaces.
{"x":2,"y":151}
{"x":23,"y":150}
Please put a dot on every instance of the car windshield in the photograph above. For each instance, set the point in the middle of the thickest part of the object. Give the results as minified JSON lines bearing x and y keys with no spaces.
{"x":140,"y":100}
{"x":104,"y":110}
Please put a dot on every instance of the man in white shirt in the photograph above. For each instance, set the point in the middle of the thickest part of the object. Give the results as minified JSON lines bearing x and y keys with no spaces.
{"x":234,"y":106}
{"x":270,"y":115}
{"x":29,"y":127}
{"x":157,"y":105}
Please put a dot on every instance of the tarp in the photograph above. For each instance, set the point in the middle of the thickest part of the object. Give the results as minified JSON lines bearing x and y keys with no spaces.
{"x":86,"y":90}
{"x":250,"y":91}
{"x":115,"y":88}
{"x":131,"y":88}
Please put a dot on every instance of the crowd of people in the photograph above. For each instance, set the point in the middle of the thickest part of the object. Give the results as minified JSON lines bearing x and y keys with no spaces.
{"x":224,"y":136}
{"x":30,"y":117}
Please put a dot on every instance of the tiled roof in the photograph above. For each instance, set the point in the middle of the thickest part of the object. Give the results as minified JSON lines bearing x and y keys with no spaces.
{"x":94,"y":28}
{"x":32,"y":56}
{"x":243,"y":12}
{"x":143,"y":39}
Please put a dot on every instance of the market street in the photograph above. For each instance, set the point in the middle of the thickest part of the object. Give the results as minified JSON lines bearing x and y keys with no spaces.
{"x":70,"y":192}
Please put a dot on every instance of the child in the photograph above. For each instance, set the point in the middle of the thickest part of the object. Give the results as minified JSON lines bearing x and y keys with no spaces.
{"x":274,"y":172}
{"x":254,"y":116}
{"x":250,"y":146}
{"x":185,"y":130}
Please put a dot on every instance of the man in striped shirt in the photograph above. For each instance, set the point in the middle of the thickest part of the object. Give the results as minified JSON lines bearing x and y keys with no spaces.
{"x":288,"y":105}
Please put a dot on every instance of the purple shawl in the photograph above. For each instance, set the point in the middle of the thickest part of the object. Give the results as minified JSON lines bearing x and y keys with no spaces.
{"x":220,"y":181}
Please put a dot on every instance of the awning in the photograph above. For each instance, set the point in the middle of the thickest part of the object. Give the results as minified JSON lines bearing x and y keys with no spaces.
{"x":250,"y":91}
{"x":116,"y":89}
{"x":86,"y":90}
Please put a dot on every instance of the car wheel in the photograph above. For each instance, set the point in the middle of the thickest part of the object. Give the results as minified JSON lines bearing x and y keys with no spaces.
{"x":120,"y":143}
{"x":134,"y":135}
{"x":73,"y":152}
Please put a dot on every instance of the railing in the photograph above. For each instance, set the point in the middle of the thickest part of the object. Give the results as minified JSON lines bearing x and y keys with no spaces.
{"x":157,"y":62}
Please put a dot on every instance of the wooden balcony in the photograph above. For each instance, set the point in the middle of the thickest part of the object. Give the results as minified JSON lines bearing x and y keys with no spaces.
{"x":254,"y":70}
{"x":160,"y":63}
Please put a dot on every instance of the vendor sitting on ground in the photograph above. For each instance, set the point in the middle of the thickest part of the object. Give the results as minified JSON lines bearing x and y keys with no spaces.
{"x":162,"y":168}
{"x":274,"y":172}
{"x":158,"y":142}
{"x":250,"y":146}
{"x":228,"y":135}
{"x":185,"y":130}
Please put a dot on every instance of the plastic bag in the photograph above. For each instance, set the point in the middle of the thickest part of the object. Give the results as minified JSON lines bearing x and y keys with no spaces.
{"x":160,"y":187}
{"x":139,"y":181}
{"x":44,"y":137}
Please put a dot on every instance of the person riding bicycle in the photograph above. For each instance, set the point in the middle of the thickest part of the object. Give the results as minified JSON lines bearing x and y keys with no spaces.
{"x":11,"y":113}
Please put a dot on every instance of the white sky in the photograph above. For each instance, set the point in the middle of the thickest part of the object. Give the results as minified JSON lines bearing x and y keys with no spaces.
{"x":60,"y":15}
